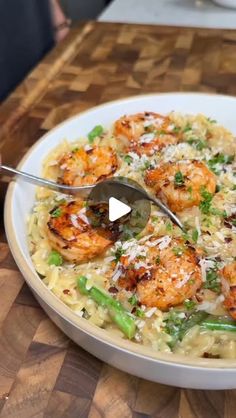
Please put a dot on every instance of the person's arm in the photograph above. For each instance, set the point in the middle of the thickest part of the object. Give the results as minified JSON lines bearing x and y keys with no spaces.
{"x":60,"y":23}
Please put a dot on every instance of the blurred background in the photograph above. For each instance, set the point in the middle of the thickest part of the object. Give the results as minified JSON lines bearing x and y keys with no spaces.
{"x":83,"y":9}
{"x":202,"y":13}
{"x":31,"y":28}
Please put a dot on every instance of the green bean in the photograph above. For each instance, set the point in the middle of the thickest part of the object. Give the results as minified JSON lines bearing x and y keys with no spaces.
{"x":177,"y":327}
{"x":119,"y":315}
{"x":195,"y":318}
{"x":217,"y":324}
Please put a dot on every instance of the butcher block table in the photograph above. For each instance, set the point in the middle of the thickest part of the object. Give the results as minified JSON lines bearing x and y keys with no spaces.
{"x":42,"y":372}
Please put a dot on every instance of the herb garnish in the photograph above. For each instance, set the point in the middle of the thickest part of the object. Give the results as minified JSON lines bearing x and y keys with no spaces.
{"x":179,"y":179}
{"x":169,"y":226}
{"x":128,"y":159}
{"x":133,"y":300}
{"x":211,"y":120}
{"x":212,"y":281}
{"x":189,"y":304}
{"x":205,"y":204}
{"x":178,"y":251}
{"x":195,"y":235}
{"x":187,"y":127}
{"x":219,"y":159}
{"x":56,"y":213}
{"x":140,"y":313}
{"x":96,"y":131}
{"x":199,"y":144}
{"x":176,"y":129}
{"x":118,"y":254}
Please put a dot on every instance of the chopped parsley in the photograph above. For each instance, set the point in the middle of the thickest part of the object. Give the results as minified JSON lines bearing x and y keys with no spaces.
{"x":211,"y":120}
{"x":218,"y":212}
{"x":147,"y":164}
{"x":118,"y":254}
{"x":128,"y":159}
{"x":55,"y":259}
{"x":205,"y":204}
{"x":174,"y":321}
{"x":96,"y":131}
{"x":56,"y":213}
{"x":176,"y":129}
{"x":133,"y":300}
{"x":199,"y":144}
{"x":212,"y":281}
{"x":187,"y":127}
{"x":155,"y":218}
{"x":179,"y":179}
{"x":190,"y":190}
{"x":158,"y":260}
{"x":140,"y":313}
{"x":189,"y":304}
{"x":169,"y":227}
{"x":195,"y":235}
{"x":185,"y":236}
{"x":219,"y":159}
{"x":178,"y":251}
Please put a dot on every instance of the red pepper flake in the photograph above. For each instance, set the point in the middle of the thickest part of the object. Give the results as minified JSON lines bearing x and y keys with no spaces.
{"x":209,"y":355}
{"x":228,"y":239}
{"x":66,"y":291}
{"x":112,"y":289}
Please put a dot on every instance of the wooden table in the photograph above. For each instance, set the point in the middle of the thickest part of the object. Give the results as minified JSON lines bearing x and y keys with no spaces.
{"x":42,"y":373}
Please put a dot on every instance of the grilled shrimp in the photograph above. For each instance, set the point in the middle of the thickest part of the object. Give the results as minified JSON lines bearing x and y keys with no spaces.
{"x":145,"y":133}
{"x":70,"y":233}
{"x":166,"y":278}
{"x":83,"y":167}
{"x":180,"y":184}
{"x":228,"y":283}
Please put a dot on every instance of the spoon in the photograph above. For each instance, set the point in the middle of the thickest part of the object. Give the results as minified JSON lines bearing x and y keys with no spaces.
{"x":83,"y":191}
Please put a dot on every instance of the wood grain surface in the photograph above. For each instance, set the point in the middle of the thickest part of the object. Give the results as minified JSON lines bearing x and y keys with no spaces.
{"x":42,"y":373}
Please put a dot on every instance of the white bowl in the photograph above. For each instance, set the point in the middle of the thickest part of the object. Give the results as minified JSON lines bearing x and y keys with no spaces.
{"x":226,"y":3}
{"x":128,"y":356}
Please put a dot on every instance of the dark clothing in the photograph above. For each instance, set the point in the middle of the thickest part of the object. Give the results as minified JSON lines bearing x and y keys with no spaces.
{"x":26,"y":34}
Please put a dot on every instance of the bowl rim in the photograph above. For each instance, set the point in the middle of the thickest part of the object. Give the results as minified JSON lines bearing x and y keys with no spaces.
{"x":60,"y":308}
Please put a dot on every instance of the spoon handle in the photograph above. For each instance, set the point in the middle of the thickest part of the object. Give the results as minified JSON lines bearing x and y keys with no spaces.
{"x":38,"y":181}
{"x":152,"y":199}
{"x":83,"y":191}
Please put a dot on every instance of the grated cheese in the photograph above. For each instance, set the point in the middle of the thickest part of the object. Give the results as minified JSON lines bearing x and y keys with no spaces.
{"x":210,"y":306}
{"x":182,"y":282}
{"x":147,"y":138}
{"x":150,"y":312}
{"x":74,"y":221}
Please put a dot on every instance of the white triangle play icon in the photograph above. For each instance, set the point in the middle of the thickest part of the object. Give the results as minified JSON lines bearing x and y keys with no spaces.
{"x":117,"y":209}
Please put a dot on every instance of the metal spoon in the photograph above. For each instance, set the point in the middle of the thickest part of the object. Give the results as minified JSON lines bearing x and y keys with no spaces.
{"x":83,"y":191}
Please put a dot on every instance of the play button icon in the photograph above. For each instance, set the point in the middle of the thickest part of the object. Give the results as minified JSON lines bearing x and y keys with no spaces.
{"x":117,"y":205}
{"x":117,"y":209}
